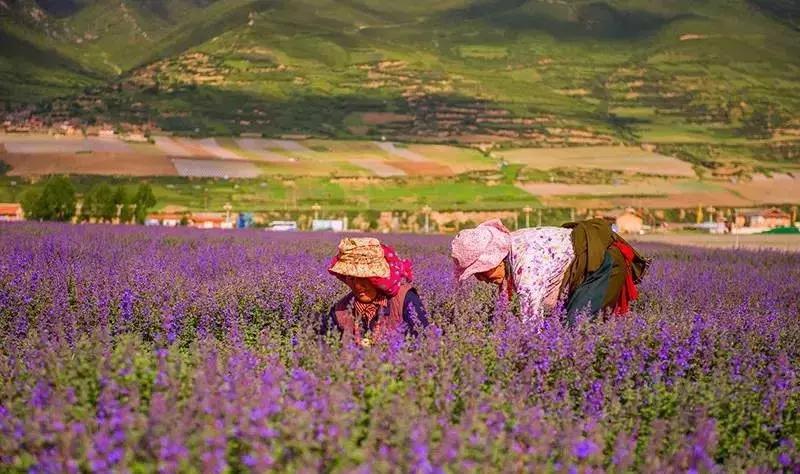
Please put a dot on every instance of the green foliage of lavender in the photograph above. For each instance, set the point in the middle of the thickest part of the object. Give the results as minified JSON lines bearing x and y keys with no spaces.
{"x":180,"y":350}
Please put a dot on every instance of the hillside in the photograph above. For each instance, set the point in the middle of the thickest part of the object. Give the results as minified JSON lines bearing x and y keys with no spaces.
{"x":526,"y":71}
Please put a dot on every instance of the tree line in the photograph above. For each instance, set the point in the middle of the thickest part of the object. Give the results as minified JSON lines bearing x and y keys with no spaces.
{"x":58,"y":201}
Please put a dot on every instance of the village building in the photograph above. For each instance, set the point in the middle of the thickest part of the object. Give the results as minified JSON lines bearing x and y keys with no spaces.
{"x":763,"y":219}
{"x":166,"y":219}
{"x":11,"y":212}
{"x":626,"y":221}
{"x":211,"y":220}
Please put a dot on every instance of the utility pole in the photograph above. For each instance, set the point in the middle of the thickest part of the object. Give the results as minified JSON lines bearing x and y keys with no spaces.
{"x":227,"y":208}
{"x":527,"y":210}
{"x":426,"y":211}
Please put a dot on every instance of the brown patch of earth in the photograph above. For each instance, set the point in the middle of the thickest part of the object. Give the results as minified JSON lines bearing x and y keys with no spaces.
{"x":382,"y":118}
{"x":120,"y":164}
{"x":778,"y":189}
{"x":417,"y":168}
{"x":358,"y":129}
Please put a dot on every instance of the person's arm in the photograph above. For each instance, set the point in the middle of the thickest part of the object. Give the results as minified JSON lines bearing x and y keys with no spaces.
{"x":414,"y":313}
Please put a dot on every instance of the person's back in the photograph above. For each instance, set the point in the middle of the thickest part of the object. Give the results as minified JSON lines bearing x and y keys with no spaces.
{"x":585,"y":264}
{"x":538,"y":259}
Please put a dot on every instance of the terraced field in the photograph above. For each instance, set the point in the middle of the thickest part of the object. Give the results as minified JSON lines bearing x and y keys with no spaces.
{"x":272,"y":157}
{"x":616,"y":158}
{"x":390,"y":174}
{"x":472,"y":71}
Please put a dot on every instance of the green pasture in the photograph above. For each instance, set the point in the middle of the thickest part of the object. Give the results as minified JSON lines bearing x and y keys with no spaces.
{"x":301,"y":193}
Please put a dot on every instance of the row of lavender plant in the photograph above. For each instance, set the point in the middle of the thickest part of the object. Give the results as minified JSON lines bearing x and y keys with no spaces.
{"x":140,"y":350}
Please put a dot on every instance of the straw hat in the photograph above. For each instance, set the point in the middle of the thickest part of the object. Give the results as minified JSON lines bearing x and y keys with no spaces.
{"x":361,"y":257}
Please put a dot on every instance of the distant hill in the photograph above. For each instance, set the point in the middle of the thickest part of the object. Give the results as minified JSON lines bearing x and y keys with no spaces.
{"x":541,"y":72}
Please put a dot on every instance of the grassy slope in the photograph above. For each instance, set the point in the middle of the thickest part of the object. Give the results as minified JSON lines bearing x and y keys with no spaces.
{"x":634,"y":76}
{"x":301,"y":193}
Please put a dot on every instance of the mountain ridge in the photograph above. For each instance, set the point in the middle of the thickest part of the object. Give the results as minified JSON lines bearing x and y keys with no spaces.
{"x":628,"y":69}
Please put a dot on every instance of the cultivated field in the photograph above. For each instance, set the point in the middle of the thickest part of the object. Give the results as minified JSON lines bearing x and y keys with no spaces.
{"x":131,"y":348}
{"x":271,"y":156}
{"x":776,"y":188}
{"x":788,"y":242}
{"x":559,"y":177}
{"x":670,"y":193}
{"x":623,"y":159}
{"x":39,"y":145}
{"x":105,"y":164}
{"x":215,"y":168}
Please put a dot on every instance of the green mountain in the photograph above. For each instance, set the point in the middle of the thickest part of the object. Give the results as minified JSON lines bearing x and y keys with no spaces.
{"x":539,"y":71}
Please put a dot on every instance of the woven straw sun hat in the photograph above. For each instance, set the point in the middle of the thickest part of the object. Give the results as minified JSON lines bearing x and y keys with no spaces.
{"x":361,"y":257}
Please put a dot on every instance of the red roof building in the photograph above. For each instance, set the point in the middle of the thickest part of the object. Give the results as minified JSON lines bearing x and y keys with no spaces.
{"x":10,"y":212}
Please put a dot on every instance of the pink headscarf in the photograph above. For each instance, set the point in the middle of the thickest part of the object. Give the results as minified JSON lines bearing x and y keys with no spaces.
{"x":400,"y":271}
{"x":480,"y":249}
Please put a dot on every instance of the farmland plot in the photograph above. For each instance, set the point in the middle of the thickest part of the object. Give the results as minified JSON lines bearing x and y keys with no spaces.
{"x":215,"y":168}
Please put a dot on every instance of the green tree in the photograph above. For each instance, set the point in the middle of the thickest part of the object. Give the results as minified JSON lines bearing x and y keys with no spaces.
{"x":55,"y":202}
{"x":30,"y":204}
{"x":144,"y":200}
{"x":87,"y":207}
{"x":121,"y":199}
{"x":762,"y":121}
{"x":99,"y":203}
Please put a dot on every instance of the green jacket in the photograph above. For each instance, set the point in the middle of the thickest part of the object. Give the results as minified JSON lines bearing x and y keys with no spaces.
{"x":590,"y":240}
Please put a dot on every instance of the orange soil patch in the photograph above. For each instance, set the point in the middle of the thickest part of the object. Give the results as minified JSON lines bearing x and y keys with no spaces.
{"x":2,"y":149}
{"x":381,"y":118}
{"x":417,"y":168}
{"x":779,"y":189}
{"x":121,"y":164}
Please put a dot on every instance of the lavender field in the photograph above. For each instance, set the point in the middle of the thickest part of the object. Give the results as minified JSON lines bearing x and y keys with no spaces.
{"x":140,"y":350}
